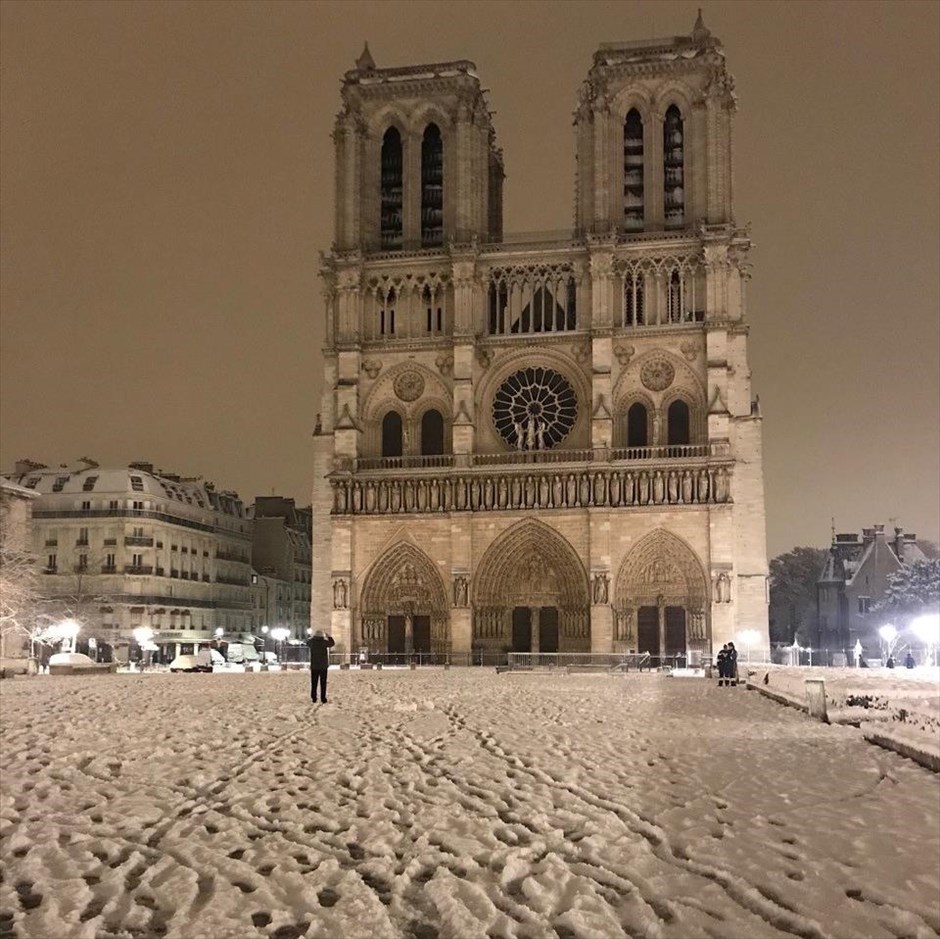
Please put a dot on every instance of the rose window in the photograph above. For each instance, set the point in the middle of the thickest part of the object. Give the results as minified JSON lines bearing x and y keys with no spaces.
{"x":535,"y":409}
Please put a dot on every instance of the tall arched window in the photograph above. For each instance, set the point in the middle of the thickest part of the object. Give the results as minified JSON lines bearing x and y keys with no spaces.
{"x":673,"y":163}
{"x":432,"y":433}
{"x":391,"y":221}
{"x":637,"y":426}
{"x":633,"y":300}
{"x":387,"y":314}
{"x":678,"y":423}
{"x":633,"y":171}
{"x":391,"y":434}
{"x":674,"y":298}
{"x":432,"y":187}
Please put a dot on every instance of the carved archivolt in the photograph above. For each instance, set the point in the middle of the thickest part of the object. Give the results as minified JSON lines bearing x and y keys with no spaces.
{"x":403,"y":582}
{"x":531,"y":565}
{"x":661,"y":569}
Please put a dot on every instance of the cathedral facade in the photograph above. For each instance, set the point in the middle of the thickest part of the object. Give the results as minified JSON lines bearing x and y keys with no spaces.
{"x":541,"y":443}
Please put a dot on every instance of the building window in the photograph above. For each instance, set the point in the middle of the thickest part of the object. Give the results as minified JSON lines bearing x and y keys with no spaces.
{"x":637,"y":426}
{"x":432,"y":187}
{"x":113,"y":504}
{"x":674,"y":298}
{"x":432,"y":433}
{"x":678,"y":423}
{"x":137,"y":483}
{"x":138,"y":560}
{"x":32,"y":482}
{"x":138,"y":506}
{"x":59,"y":483}
{"x":391,"y":190}
{"x":90,"y":483}
{"x":633,"y":300}
{"x":864,"y":605}
{"x":82,"y":536}
{"x":82,"y":564}
{"x":434,"y":311}
{"x":51,"y":563}
{"x":391,"y":434}
{"x":387,"y":314}
{"x":633,"y":202}
{"x":109,"y":560}
{"x":86,"y":506}
{"x":673,"y":167}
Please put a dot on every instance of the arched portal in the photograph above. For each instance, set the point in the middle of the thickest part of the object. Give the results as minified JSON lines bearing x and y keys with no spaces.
{"x":531,"y":594}
{"x":403,"y":607}
{"x":660,"y":598}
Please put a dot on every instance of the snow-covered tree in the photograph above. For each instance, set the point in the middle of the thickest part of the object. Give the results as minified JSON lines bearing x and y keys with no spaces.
{"x":912,"y":591}
{"x":793,"y":579}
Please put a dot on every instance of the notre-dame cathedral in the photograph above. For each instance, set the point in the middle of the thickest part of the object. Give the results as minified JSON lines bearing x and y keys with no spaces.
{"x":540,"y":443}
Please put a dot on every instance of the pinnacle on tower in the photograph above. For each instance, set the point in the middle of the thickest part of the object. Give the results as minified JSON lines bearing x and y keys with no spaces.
{"x":700,"y":32}
{"x":365,"y":62}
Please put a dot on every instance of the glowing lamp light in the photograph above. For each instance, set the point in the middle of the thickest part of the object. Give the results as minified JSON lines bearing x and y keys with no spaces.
{"x":927,"y":628}
{"x":143,"y":635}
{"x":888,"y":633}
{"x":279,"y":633}
{"x":264,"y":629}
{"x":218,"y":632}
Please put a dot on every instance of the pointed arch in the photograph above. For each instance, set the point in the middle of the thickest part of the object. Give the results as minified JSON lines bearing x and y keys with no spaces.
{"x":432,"y":186}
{"x":403,"y":582}
{"x":660,"y":597}
{"x":531,"y":566}
{"x":391,"y":191}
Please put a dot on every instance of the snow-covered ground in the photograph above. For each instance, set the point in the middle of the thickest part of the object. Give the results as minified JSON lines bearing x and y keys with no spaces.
{"x":451,"y":804}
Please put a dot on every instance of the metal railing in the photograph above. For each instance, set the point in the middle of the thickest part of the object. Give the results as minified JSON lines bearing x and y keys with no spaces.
{"x":587,"y":661}
{"x":405,"y":462}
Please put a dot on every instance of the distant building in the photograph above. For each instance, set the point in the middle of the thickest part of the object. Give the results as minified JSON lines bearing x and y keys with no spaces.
{"x":281,"y":558}
{"x":121,"y":548}
{"x":16,"y":565}
{"x":854,"y":579}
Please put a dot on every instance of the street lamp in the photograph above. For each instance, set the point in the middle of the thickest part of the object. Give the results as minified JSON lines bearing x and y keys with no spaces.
{"x":67,"y":631}
{"x":264,"y":633}
{"x":143,"y":636}
{"x":927,"y":629}
{"x":279,"y":634}
{"x":888,"y":634}
{"x":750,"y":637}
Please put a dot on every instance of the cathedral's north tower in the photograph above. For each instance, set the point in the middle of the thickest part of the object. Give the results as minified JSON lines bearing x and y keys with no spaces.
{"x":544,"y":443}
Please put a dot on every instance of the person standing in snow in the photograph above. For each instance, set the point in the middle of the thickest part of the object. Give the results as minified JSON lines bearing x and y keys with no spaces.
{"x":319,"y":644}
{"x":909,"y":660}
{"x":722,"y":661}
{"x":732,"y":666}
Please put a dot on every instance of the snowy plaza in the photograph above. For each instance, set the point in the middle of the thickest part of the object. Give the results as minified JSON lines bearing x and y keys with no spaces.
{"x":456,"y":803}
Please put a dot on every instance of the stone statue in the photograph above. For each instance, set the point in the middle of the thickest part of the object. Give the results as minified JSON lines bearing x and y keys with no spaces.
{"x":540,"y":435}
{"x":339,"y":594}
{"x":461,"y":590}
{"x":520,"y":435}
{"x":600,"y":588}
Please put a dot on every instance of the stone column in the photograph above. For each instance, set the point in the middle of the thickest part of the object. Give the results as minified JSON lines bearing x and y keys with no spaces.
{"x":535,"y":613}
{"x":409,"y":634}
{"x":661,"y":607}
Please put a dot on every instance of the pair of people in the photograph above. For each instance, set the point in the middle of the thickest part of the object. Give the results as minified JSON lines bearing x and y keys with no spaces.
{"x":727,"y":665}
{"x":319,"y":644}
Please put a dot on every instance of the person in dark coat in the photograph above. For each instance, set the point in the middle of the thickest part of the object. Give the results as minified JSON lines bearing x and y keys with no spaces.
{"x":732,"y":665}
{"x":909,"y":661}
{"x":319,"y":644}
{"x":722,"y":662}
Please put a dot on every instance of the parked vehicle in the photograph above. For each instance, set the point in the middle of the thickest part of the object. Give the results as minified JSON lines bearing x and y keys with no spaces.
{"x":204,"y":660}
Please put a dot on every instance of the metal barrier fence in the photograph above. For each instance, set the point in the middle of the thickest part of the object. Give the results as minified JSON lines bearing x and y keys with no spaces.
{"x":587,"y":661}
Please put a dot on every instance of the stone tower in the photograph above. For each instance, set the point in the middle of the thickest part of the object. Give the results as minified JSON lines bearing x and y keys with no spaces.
{"x":545,"y":443}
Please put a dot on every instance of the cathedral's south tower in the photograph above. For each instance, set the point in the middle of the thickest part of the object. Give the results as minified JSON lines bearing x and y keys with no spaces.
{"x":541,"y":444}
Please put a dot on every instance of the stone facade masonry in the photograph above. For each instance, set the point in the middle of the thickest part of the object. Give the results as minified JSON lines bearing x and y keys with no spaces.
{"x":550,"y":443}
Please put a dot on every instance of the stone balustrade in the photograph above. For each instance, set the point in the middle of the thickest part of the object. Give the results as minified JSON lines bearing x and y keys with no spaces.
{"x":696,"y":482}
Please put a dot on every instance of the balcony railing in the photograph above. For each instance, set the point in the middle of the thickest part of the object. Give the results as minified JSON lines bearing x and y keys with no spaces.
{"x":540,"y":457}
{"x":405,"y":462}
{"x":81,"y":542}
{"x":675,"y":451}
{"x":138,"y":541}
{"x":138,"y":568}
{"x":229,"y":556}
{"x":52,"y":542}
{"x":108,"y":569}
{"x":110,"y":542}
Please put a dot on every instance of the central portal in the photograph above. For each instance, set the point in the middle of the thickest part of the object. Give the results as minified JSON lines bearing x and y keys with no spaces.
{"x":524,"y":631}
